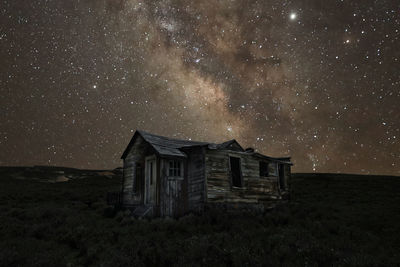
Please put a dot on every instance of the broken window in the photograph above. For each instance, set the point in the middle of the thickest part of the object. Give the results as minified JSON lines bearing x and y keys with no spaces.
{"x":236,"y":173}
{"x":272,"y":169}
{"x":263,"y":169}
{"x":175,"y":168}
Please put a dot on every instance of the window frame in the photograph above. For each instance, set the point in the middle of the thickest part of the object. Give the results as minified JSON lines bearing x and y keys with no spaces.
{"x":176,"y":169}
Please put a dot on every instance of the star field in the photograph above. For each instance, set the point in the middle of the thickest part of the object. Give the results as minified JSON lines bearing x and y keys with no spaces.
{"x":315,"y":80}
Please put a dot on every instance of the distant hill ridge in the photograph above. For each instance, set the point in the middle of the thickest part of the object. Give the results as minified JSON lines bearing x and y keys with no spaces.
{"x":54,"y":174}
{"x":340,"y":175}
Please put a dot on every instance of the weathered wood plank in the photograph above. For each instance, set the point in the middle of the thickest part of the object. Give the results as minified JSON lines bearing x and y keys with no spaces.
{"x":219,"y":185}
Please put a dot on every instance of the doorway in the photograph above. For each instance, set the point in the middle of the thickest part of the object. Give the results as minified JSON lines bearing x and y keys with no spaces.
{"x":236,"y":173}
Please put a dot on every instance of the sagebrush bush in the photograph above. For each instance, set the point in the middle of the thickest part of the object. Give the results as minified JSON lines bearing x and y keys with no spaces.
{"x":330,"y":221}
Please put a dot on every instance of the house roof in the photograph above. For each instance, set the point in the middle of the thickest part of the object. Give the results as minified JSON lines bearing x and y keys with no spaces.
{"x":227,"y":144}
{"x":166,"y":146}
{"x":163,"y":145}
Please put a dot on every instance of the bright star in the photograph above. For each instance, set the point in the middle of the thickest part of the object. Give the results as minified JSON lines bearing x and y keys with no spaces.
{"x":293,"y":16}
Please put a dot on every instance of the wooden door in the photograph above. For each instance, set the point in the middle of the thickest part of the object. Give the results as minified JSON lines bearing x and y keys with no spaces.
{"x":175,"y":203}
{"x":151,"y":181}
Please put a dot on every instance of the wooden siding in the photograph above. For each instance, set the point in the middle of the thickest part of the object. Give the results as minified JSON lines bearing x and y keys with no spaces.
{"x":172,"y":192}
{"x":254,"y":190}
{"x":195,"y":179}
{"x":181,"y":195}
{"x":136,"y":155}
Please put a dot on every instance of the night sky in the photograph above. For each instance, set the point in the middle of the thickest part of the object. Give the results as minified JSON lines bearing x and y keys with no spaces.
{"x":315,"y":80}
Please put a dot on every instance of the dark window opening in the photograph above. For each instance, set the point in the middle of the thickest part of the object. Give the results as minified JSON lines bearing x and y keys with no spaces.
{"x":175,"y":168}
{"x":282,"y":185}
{"x":235,"y":172}
{"x":263,"y":169}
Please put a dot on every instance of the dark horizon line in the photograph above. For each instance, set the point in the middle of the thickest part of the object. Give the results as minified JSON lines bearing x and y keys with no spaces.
{"x":295,"y":173}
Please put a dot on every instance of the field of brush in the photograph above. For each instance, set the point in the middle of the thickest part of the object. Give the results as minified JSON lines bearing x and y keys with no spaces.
{"x":59,"y":217}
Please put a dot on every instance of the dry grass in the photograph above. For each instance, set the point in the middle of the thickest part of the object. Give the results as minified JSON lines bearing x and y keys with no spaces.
{"x":332,"y":220}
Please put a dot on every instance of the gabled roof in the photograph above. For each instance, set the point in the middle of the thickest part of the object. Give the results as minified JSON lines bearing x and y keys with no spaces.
{"x":228,"y":144}
{"x":164,"y":146}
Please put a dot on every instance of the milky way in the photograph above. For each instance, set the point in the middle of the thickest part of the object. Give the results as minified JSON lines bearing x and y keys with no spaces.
{"x":315,"y":80}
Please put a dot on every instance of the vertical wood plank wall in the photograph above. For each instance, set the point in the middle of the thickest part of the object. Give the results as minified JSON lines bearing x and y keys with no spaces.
{"x":178,"y":196}
{"x":171,"y":192}
{"x":136,"y":154}
{"x":196,"y":179}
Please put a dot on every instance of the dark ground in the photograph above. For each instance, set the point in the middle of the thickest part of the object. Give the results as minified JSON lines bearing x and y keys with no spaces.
{"x":331,"y":220}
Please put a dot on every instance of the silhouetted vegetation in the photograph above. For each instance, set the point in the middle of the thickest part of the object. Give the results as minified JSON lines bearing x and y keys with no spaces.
{"x":331,"y":220}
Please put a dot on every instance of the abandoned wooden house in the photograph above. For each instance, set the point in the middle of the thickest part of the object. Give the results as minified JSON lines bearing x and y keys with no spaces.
{"x":170,"y":177}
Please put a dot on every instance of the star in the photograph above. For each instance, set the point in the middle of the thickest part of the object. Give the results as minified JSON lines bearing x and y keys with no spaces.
{"x":293,"y":16}
{"x":295,"y":73}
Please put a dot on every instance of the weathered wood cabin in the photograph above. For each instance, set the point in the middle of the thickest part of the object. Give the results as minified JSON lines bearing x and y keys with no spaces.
{"x":170,"y":177}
